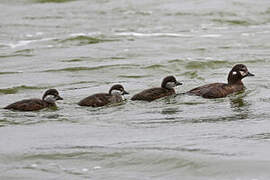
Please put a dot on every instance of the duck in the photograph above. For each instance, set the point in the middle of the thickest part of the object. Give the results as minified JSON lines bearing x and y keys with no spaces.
{"x":166,"y":89}
{"x":48,"y":100}
{"x":220,"y":90}
{"x":115,"y":95}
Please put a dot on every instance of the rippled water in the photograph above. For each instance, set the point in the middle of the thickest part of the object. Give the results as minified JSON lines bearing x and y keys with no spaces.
{"x":82,"y":47}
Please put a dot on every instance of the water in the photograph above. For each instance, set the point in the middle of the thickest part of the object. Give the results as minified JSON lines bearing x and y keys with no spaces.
{"x":82,"y":47}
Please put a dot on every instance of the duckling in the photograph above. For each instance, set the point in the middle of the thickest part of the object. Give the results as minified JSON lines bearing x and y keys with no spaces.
{"x":115,"y":95}
{"x":166,"y":89}
{"x":48,"y":100}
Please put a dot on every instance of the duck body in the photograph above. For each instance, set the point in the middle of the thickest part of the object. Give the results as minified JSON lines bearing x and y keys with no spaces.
{"x":115,"y":95}
{"x":29,"y":105}
{"x":152,"y":94}
{"x":48,"y":100}
{"x":220,"y":90}
{"x":216,"y":90}
{"x":101,"y":99}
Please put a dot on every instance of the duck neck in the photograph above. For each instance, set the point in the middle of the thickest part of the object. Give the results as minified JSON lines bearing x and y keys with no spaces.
{"x":164,"y":85}
{"x":235,"y":81}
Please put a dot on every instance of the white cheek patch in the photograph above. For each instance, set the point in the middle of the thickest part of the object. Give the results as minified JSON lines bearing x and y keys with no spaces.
{"x":234,"y":73}
{"x":50,"y":98}
{"x":243,"y":73}
{"x":170,"y":84}
{"x":115,"y":92}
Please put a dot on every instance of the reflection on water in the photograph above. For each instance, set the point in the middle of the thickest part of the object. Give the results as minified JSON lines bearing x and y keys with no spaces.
{"x":240,"y":106}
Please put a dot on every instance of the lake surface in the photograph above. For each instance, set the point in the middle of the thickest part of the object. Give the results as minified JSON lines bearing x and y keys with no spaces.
{"x":83,"y":47}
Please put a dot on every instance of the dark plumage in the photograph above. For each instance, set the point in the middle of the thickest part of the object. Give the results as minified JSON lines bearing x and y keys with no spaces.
{"x":219,"y":90}
{"x":102,"y":99}
{"x":166,"y":89}
{"x":48,"y":100}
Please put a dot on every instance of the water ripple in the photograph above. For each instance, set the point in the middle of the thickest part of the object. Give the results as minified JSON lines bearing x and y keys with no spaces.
{"x":14,"y":90}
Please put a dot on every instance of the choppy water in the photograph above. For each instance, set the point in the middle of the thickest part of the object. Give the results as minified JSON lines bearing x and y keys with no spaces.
{"x":82,"y":47}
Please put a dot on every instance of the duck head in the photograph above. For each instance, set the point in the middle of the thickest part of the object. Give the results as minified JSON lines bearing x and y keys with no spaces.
{"x":238,"y":72}
{"x":51,"y":96}
{"x":170,"y":82}
{"x":118,"y":88}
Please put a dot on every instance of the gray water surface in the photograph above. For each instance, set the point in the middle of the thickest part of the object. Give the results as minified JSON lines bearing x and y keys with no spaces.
{"x":82,"y":47}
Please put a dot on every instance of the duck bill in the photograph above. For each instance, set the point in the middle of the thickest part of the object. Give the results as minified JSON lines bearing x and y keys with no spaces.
{"x":178,"y":83}
{"x":250,"y":74}
{"x":124,"y":92}
{"x":59,"y":98}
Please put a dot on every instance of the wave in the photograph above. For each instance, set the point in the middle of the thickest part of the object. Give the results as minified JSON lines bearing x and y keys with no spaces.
{"x":206,"y":65}
{"x":155,"y":66}
{"x":218,"y":13}
{"x":24,"y":52}
{"x":211,"y":35}
{"x":261,"y":136}
{"x":74,"y":69}
{"x":189,"y":64}
{"x":74,"y":39}
{"x":52,"y":1}
{"x":27,"y":42}
{"x":73,"y":60}
{"x":8,"y":72}
{"x":233,"y":22}
{"x":84,"y":39}
{"x":14,"y":90}
{"x":152,"y":34}
{"x":133,"y":76}
{"x":192,"y":75}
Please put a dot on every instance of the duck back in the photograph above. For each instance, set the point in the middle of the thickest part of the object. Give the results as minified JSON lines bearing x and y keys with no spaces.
{"x":152,"y":94}
{"x":216,"y":90}
{"x":96,"y":100}
{"x":28,"y":105}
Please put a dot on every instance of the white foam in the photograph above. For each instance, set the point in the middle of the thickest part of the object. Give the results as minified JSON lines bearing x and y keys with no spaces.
{"x":29,"y":35}
{"x":151,"y":34}
{"x":33,"y":165}
{"x":85,"y":34}
{"x":85,"y":169}
{"x":20,"y":43}
{"x":39,"y":33}
{"x":96,"y":167}
{"x":211,"y":35}
{"x":26,"y":42}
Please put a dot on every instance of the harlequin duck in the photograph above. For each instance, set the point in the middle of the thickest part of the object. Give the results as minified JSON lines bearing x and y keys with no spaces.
{"x":115,"y":95}
{"x":48,"y":100}
{"x":166,"y":89}
{"x":219,"y":90}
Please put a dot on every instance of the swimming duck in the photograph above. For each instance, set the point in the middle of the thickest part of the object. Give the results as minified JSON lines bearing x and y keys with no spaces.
{"x":115,"y":95}
{"x":219,"y":90}
{"x":166,"y":89}
{"x":48,"y":100}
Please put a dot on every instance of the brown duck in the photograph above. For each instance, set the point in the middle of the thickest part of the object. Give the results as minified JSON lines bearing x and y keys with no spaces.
{"x":219,"y":90}
{"x":166,"y":89}
{"x":115,"y":95}
{"x":48,"y":100}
